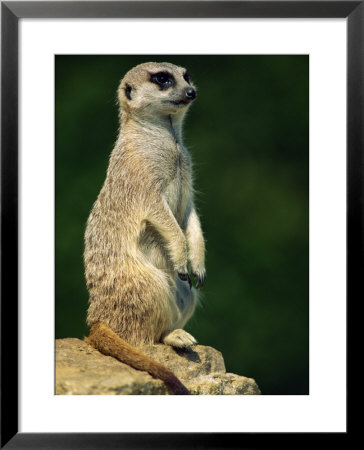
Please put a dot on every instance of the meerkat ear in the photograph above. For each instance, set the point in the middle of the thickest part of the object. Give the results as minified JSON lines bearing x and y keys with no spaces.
{"x":127,"y":91}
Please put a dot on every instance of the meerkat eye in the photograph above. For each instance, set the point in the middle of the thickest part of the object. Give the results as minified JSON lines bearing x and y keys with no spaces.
{"x":163,"y":79}
{"x":186,"y":77}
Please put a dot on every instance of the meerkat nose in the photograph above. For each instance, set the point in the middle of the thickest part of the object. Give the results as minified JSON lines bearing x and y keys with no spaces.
{"x":190,"y":93}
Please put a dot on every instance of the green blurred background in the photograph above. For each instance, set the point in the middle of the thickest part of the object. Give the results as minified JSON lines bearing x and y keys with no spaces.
{"x":247,"y":133}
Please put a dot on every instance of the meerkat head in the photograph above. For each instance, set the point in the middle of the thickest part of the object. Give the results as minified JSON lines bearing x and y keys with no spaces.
{"x":156,"y":89}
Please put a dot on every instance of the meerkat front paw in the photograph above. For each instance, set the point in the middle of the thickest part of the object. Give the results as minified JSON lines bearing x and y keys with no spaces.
{"x":200,"y":277}
{"x":179,"y":338}
{"x":185,"y":277}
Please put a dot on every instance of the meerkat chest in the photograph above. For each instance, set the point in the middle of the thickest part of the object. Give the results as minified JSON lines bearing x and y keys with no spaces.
{"x":178,"y":182}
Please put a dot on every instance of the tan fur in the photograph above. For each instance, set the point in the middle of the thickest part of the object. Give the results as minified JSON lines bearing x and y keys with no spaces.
{"x":143,"y":229}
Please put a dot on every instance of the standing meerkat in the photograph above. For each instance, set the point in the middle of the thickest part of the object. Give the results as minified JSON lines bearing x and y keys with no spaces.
{"x":143,"y":231}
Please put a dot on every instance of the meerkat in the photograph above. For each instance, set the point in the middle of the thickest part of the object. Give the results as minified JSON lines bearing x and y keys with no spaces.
{"x":143,"y":234}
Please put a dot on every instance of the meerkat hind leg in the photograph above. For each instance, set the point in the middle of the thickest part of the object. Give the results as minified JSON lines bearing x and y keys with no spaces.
{"x":186,"y":300}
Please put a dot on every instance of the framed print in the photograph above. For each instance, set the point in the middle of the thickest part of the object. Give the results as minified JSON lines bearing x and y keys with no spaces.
{"x":276,"y":138}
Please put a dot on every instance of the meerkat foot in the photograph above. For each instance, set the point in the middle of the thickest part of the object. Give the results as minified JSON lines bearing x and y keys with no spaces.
{"x":179,"y":338}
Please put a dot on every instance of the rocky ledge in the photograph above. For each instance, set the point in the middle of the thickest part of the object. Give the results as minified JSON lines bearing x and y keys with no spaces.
{"x":82,"y":370}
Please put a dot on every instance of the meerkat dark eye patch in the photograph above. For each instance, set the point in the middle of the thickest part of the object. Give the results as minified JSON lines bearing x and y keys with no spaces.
{"x":164,"y":80}
{"x":127,"y":91}
{"x":186,"y":77}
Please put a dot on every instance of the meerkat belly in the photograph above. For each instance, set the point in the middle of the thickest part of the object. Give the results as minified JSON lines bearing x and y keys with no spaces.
{"x":175,"y":192}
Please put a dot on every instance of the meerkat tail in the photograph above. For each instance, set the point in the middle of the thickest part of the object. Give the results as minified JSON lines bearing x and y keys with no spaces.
{"x":109,"y":343}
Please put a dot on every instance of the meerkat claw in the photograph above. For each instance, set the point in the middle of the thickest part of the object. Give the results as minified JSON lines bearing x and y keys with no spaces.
{"x":200,"y":279}
{"x":185,"y":277}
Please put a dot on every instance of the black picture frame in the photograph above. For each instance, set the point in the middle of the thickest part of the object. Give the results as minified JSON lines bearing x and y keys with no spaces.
{"x":11,"y":12}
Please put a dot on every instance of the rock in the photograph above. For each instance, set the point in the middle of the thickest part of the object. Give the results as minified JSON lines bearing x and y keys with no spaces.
{"x":82,"y":370}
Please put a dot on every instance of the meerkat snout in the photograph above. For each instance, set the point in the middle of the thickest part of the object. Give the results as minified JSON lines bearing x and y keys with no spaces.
{"x":190,"y":93}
